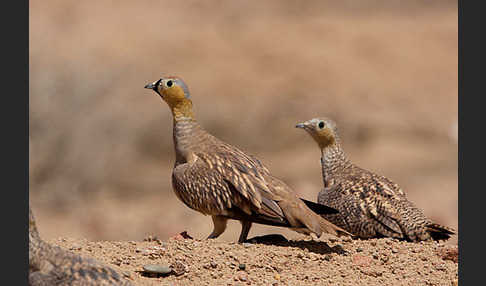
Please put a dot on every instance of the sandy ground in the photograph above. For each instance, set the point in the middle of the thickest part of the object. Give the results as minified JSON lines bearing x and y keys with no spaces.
{"x":328,"y":261}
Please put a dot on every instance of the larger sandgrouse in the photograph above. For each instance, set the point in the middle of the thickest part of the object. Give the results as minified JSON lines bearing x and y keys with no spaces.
{"x":52,"y":265}
{"x":369,"y":205}
{"x":217,"y":179}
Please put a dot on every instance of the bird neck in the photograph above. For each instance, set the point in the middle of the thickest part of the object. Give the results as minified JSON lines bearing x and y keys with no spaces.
{"x":333,"y":161}
{"x":187,"y":134}
{"x":181,"y":109}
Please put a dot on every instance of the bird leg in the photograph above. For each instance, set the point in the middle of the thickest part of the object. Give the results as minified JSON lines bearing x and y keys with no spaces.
{"x":219,"y":223}
{"x":245,"y":229}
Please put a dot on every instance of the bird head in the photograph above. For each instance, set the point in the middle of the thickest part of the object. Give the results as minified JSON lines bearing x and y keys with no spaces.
{"x":323,"y":131}
{"x":175,"y":93}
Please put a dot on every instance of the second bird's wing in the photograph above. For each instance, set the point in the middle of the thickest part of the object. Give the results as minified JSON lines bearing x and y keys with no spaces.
{"x":363,"y":210}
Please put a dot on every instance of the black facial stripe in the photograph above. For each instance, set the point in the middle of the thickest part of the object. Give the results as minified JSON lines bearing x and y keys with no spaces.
{"x":156,"y":86}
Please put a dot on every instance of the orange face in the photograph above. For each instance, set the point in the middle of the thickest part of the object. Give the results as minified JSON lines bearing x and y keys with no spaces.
{"x":175,"y":93}
{"x":323,"y":131}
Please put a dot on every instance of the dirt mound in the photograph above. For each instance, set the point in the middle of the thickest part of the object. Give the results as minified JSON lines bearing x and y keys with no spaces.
{"x":329,"y":261}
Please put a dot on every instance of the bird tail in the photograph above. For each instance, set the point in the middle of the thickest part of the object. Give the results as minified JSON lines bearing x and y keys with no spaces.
{"x":302,"y":219}
{"x":319,"y":209}
{"x":328,"y":227}
{"x":439,"y":232}
{"x":320,"y":225}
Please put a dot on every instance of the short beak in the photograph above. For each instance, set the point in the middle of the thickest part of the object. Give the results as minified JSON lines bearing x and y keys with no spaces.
{"x":300,"y":125}
{"x":154,"y":86}
{"x":150,"y":86}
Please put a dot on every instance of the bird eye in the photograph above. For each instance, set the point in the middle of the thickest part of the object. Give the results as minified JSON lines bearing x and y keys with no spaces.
{"x":169,"y":83}
{"x":321,"y":124}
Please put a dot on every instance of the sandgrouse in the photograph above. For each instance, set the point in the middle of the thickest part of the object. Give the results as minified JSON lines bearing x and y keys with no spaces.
{"x":52,"y":265}
{"x":217,"y":179}
{"x":369,"y":205}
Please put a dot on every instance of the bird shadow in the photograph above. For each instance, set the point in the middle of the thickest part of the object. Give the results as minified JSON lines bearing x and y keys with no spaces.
{"x":318,"y":247}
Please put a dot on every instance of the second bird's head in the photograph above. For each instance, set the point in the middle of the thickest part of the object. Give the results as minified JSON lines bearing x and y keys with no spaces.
{"x":322,"y":130}
{"x":173,"y":91}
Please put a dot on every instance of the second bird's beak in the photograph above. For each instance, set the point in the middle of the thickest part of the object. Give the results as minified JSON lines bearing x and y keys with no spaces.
{"x":300,"y":125}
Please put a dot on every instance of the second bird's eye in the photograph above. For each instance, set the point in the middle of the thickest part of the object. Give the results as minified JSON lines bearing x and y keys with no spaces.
{"x":321,"y":124}
{"x":169,"y":83}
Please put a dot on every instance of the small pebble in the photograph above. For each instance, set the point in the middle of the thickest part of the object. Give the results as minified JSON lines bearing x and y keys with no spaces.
{"x":243,"y":277}
{"x":242,"y":266}
{"x":179,"y":268}
{"x":157,"y":269}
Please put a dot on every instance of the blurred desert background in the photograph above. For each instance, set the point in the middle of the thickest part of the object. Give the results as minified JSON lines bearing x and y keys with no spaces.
{"x":101,"y":150}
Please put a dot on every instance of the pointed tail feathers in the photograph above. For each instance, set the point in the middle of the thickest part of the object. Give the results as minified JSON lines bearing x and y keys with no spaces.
{"x":320,"y":225}
{"x":329,"y":227}
{"x":302,"y":219}
{"x":323,"y":224}
{"x":440,"y":232}
{"x":319,"y":209}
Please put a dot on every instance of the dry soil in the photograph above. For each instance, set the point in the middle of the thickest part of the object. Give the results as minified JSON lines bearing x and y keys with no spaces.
{"x":327,"y":261}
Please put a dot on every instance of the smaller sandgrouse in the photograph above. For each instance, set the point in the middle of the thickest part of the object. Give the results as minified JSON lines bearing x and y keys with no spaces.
{"x":52,"y":265}
{"x":217,"y":179}
{"x":369,"y":205}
